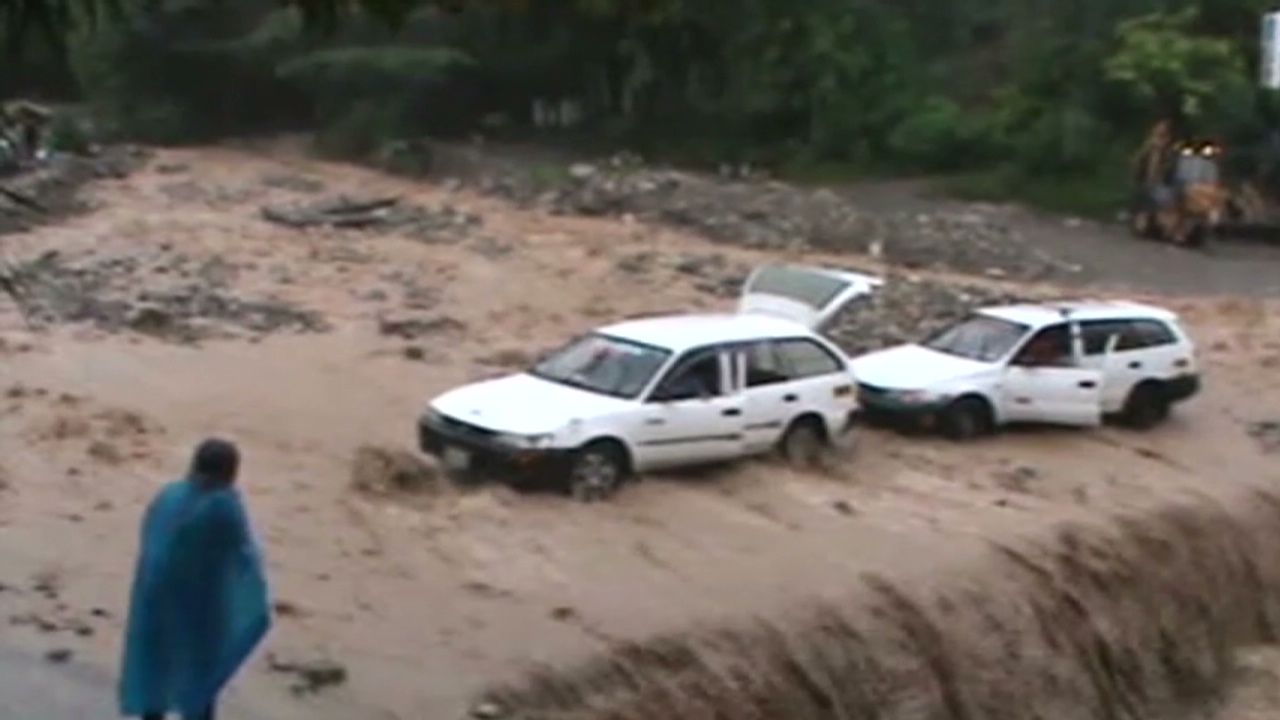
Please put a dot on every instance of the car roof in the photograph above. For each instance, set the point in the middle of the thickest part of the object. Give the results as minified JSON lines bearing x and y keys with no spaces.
{"x":1040,"y":314}
{"x":684,"y":332}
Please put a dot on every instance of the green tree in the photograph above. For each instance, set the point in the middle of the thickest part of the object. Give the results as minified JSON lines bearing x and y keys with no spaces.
{"x":1165,"y":65}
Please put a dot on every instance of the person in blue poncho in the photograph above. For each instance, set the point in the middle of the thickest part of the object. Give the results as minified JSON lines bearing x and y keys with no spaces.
{"x":199,"y":605}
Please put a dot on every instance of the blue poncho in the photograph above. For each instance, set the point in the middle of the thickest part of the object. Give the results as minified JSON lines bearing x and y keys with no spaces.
{"x":199,"y":604}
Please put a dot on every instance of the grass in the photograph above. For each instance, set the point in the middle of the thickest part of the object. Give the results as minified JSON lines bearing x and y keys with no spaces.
{"x":1097,"y":195}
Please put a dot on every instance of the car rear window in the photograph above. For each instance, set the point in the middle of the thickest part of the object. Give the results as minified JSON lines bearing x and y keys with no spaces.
{"x":1135,"y":334}
{"x":806,"y":358}
{"x":811,"y":288}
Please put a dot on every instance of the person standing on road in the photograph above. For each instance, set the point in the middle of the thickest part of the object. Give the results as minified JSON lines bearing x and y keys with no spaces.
{"x":199,"y":603}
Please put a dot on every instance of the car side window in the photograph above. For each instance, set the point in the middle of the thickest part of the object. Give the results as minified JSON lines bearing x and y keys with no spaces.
{"x":1144,"y":334}
{"x":1097,"y":333}
{"x":806,"y":358}
{"x":1050,"y":347}
{"x":695,"y":376}
{"x":764,"y":366}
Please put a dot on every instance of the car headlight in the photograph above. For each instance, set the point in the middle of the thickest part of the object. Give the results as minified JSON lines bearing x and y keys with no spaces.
{"x":430,"y":416}
{"x":526,"y":442}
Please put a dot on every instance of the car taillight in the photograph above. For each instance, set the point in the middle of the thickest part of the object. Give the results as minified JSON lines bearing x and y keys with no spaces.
{"x":843,"y":391}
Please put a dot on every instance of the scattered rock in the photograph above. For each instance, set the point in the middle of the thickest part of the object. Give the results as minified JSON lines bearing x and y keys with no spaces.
{"x":172,"y":168}
{"x":312,"y":676}
{"x":53,"y":190}
{"x":506,"y":358}
{"x":105,"y":452}
{"x":284,"y":608}
{"x":1267,"y":433}
{"x":907,"y":309}
{"x":844,"y":507}
{"x":385,"y":471}
{"x":1017,"y":479}
{"x":443,"y":224}
{"x":415,"y":353}
{"x":293,"y":183}
{"x":491,"y":247}
{"x":48,"y":584}
{"x":108,"y":293}
{"x":414,"y":328}
{"x":563,"y":614}
{"x":58,"y":656}
{"x":582,"y":171}
{"x":150,"y":320}
{"x":777,"y":216}
{"x":488,"y":710}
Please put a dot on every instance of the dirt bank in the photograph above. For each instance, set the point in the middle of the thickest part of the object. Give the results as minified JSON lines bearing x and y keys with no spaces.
{"x":423,"y":600}
{"x":1137,"y":620}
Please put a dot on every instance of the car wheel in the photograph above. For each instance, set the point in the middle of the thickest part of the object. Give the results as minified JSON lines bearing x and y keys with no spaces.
{"x":966,"y":419}
{"x":597,"y":471}
{"x":804,"y":444}
{"x":1146,"y":407}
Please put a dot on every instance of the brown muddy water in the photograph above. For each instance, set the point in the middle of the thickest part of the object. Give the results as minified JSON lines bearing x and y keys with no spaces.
{"x":1043,"y":574}
{"x":1141,"y":620}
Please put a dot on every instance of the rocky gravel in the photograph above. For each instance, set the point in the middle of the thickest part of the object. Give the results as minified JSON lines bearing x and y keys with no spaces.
{"x":197,"y":303}
{"x":442,"y":224}
{"x":907,"y":309}
{"x":771,"y":215}
{"x":52,"y":191}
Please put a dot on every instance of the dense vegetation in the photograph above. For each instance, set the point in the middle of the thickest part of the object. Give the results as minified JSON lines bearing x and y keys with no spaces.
{"x":1039,"y":97}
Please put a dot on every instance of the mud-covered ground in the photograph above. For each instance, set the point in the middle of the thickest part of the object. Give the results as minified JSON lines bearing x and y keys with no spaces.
{"x":178,"y":309}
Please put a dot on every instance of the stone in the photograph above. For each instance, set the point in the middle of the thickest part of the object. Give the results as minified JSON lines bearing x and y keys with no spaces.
{"x":384,"y":471}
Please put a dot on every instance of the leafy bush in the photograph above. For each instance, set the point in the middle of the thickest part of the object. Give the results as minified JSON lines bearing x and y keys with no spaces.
{"x":1066,"y":139}
{"x":68,"y":134}
{"x":159,"y":78}
{"x":360,"y":130}
{"x":940,"y":135}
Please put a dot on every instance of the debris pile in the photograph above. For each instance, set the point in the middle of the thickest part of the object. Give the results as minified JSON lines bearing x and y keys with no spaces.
{"x":773,"y":215}
{"x":435,"y":225}
{"x":107,"y":294}
{"x":907,"y":309}
{"x":51,"y":190}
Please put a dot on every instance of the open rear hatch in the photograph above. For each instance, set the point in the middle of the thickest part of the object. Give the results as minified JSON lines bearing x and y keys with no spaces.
{"x":810,"y":296}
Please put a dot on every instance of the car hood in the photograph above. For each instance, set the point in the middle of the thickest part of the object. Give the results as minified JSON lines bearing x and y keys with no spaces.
{"x":913,"y":367}
{"x":523,"y":404}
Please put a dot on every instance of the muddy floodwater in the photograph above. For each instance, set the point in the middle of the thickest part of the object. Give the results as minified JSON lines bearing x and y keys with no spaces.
{"x":1077,"y":572}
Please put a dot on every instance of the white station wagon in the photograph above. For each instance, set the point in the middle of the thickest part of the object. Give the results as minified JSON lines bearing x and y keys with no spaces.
{"x":664,"y":392}
{"x":1066,"y":363}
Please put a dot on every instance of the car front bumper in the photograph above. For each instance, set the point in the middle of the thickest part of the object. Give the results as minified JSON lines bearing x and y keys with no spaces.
{"x":880,"y":404}
{"x":466,"y":448}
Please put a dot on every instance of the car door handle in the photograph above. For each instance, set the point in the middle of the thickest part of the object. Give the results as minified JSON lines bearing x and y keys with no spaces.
{"x":1087,"y":384}
{"x":731,"y":412}
{"x":1135,"y":365}
{"x":655,"y":421}
{"x":790,"y":397}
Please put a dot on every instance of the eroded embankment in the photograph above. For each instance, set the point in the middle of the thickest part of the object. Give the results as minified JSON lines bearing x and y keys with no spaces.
{"x":1134,"y":619}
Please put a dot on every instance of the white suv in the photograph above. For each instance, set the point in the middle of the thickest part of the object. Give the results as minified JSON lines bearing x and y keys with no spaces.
{"x":1068,"y":364}
{"x":664,"y":392}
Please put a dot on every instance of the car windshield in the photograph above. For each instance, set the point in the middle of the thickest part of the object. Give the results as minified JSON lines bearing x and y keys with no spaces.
{"x":980,"y":337}
{"x":603,"y":364}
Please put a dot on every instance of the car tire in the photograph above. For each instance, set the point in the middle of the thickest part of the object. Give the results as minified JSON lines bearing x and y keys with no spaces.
{"x":966,"y":419}
{"x":804,"y":444}
{"x":1146,"y":407}
{"x":596,"y":471}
